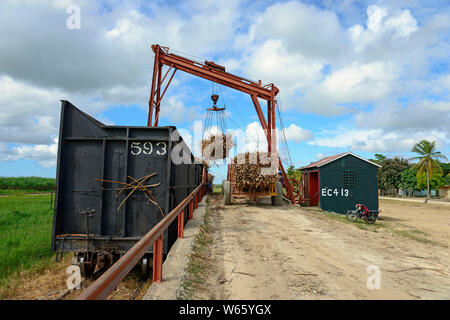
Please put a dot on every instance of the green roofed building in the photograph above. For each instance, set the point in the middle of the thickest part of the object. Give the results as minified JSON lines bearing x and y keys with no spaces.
{"x":337,"y":183}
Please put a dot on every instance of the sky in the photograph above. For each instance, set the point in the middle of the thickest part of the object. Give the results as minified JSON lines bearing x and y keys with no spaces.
{"x":362,"y":76}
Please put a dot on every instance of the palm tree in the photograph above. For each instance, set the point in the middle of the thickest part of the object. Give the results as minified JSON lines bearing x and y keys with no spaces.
{"x":427,"y":161}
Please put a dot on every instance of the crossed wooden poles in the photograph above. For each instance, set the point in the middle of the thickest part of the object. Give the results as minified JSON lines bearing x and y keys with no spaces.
{"x":133,"y":186}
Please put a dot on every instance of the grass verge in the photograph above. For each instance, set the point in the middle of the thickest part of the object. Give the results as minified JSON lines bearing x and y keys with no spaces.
{"x":19,"y":192}
{"x":198,"y":260}
{"x":417,"y":204}
{"x":25,"y":236}
{"x":413,"y":235}
{"x":341,"y":217}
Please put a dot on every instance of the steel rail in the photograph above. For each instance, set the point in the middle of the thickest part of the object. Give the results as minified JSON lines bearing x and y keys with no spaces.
{"x":106,"y":284}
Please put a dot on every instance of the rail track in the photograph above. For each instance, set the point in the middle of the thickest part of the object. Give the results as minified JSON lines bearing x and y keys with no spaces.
{"x":109,"y":280}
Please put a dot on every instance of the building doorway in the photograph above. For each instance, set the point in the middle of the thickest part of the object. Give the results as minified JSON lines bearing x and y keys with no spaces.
{"x":313,"y":192}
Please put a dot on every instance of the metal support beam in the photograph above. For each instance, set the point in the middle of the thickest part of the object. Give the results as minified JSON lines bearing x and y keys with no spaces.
{"x":191,"y":209}
{"x":181,"y":224}
{"x":152,"y":91}
{"x":262,"y":120}
{"x":158,"y":95}
{"x":158,"y":102}
{"x":196,"y":201}
{"x":273,"y":127}
{"x":158,"y":259}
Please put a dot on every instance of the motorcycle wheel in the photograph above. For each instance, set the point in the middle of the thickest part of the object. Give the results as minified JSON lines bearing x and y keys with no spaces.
{"x":371,"y":218}
{"x":351,"y":215}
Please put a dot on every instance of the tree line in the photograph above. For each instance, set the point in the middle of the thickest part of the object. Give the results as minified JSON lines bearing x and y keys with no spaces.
{"x":430,"y":172}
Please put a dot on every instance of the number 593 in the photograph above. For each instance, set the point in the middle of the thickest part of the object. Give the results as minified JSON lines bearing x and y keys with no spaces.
{"x":146,"y":148}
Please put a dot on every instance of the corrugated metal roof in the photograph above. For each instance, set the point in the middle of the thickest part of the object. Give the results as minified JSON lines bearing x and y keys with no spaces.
{"x":329,"y":159}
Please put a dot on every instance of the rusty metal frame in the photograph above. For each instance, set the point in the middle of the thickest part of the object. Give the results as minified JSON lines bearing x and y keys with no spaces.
{"x":104,"y":285}
{"x":213,"y":72}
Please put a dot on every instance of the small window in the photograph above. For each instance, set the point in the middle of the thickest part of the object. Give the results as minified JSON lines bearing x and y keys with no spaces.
{"x":349,"y":179}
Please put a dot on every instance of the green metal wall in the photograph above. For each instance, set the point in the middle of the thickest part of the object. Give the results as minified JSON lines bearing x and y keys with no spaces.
{"x":338,"y":199}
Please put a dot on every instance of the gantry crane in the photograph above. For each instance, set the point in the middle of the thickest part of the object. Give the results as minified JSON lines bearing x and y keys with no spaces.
{"x":216,"y":73}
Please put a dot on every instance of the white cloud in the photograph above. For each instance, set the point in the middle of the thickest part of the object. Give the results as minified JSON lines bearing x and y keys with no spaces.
{"x":375,"y":15}
{"x":353,"y":83}
{"x":273,"y":63}
{"x":254,"y":138}
{"x":418,"y":116}
{"x":291,"y":43}
{"x":387,"y":30}
{"x":404,"y":23}
{"x":375,"y":140}
{"x":44,"y":154}
{"x":28,"y":114}
{"x":305,"y":29}
{"x":319,"y":65}
{"x":174,"y":109}
{"x":297,"y":134}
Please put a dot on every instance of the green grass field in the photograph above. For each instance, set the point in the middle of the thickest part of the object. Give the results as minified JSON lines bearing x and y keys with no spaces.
{"x":19,"y":192}
{"x":25,"y":235}
{"x":27,"y":183}
{"x":217,"y":188}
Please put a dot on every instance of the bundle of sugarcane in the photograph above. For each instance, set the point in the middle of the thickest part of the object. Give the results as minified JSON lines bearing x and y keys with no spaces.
{"x":217,"y":146}
{"x":253,"y":172}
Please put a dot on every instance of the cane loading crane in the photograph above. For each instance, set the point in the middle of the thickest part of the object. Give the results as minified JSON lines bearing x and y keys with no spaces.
{"x":216,"y":73}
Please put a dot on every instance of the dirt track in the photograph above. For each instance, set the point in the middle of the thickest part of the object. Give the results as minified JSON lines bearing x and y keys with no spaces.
{"x":265,"y":252}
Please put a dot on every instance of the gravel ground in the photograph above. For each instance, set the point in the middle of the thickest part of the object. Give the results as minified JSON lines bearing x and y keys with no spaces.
{"x":265,"y":252}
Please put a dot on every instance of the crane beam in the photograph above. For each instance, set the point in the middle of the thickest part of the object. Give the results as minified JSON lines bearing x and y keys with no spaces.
{"x":211,"y":71}
{"x":217,"y":76}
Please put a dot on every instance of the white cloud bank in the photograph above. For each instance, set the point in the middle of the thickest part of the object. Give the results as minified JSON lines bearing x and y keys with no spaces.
{"x":320,"y":65}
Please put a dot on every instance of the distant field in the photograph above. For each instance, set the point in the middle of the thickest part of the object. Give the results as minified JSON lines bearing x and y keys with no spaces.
{"x":25,"y":234}
{"x":29,"y":184}
{"x":217,"y":188}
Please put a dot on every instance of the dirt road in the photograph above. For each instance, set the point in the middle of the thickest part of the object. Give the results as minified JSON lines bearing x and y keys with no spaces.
{"x":431,"y":219}
{"x":265,"y":252}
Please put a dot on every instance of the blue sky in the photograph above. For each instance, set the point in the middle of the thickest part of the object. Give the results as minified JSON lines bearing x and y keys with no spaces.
{"x":362,"y":76}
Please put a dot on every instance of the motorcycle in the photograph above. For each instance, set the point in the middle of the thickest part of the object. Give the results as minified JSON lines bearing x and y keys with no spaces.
{"x":362,"y":212}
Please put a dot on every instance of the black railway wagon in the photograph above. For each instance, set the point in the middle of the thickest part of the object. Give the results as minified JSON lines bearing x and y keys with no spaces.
{"x":91,"y":218}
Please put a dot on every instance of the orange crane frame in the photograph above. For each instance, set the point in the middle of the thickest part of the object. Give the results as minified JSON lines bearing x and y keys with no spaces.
{"x":214,"y":72}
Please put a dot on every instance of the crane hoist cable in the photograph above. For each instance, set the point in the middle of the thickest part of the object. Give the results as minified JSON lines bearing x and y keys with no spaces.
{"x":215,"y":140}
{"x":215,"y":117}
{"x":235,"y":108}
{"x":240,"y":116}
{"x":284,"y":143}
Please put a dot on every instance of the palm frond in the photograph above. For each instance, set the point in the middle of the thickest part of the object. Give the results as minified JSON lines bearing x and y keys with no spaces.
{"x":418,"y":150}
{"x":439,"y":156}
